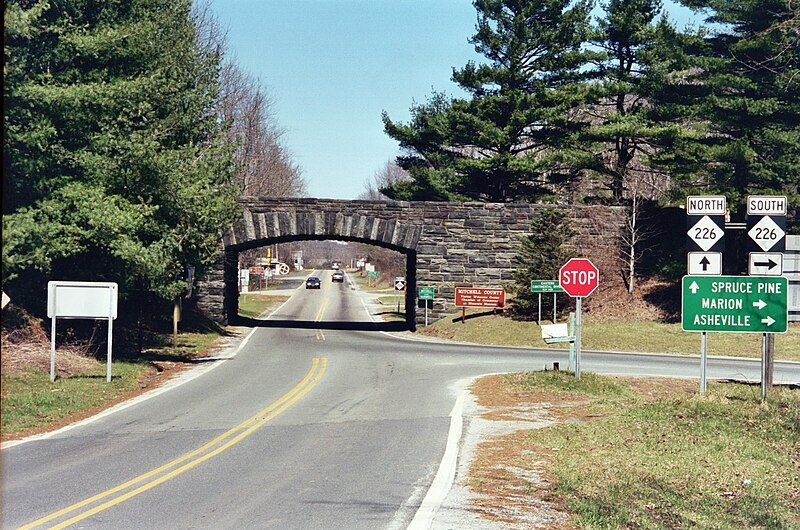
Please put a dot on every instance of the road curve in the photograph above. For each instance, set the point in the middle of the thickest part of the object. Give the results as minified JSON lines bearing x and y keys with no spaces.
{"x":304,"y":428}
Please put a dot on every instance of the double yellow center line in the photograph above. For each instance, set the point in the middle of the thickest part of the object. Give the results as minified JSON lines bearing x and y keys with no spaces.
{"x":184,"y":463}
{"x":318,"y":318}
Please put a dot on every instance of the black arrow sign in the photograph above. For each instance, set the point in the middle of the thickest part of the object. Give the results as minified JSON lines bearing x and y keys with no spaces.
{"x":769,"y":264}
{"x":705,"y":263}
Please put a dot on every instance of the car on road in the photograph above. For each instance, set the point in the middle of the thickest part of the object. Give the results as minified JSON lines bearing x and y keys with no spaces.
{"x":337,"y":276}
{"x":335,"y":266}
{"x":313,"y":283}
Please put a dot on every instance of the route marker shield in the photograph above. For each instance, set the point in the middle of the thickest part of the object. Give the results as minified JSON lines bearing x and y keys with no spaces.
{"x":735,"y":304}
{"x":705,"y":233}
{"x":766,"y":233}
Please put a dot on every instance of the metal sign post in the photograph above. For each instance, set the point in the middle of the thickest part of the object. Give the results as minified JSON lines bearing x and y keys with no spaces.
{"x":579,"y":277}
{"x":427,"y":294}
{"x":703,"y":359}
{"x":91,"y":300}
{"x":578,"y":325}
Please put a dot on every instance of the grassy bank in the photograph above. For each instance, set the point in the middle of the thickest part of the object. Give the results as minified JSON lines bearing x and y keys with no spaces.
{"x":615,"y":335}
{"x":654,"y":454}
{"x":30,"y":403}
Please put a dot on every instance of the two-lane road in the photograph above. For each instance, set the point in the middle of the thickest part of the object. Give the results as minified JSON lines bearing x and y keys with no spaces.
{"x":303,"y":428}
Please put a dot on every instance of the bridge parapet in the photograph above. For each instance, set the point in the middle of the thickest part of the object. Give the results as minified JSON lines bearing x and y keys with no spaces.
{"x":447,"y":244}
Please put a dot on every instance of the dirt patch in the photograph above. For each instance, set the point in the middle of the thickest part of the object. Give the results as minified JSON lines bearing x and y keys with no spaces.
{"x":28,"y":347}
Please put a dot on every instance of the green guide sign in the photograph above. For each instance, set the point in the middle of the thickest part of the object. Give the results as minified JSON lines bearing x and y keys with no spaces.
{"x":427,"y":293}
{"x":546,"y":286}
{"x":744,"y":304}
{"x":373,"y":273}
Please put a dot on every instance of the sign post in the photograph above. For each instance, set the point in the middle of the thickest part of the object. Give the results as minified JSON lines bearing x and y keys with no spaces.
{"x":766,"y":224}
{"x":91,"y":300}
{"x":579,"y":278}
{"x":479,"y":297}
{"x":427,"y":294}
{"x":399,"y":285}
{"x":546,"y":286}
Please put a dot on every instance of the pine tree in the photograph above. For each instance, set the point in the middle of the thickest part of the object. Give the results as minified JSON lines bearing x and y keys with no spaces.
{"x":738,"y":102}
{"x":115,"y":165}
{"x":497,"y":144}
{"x":539,"y":256}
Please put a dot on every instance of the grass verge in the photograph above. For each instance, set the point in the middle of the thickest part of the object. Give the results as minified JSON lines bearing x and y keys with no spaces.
{"x":253,"y":305}
{"x":30,"y":401}
{"x":615,"y":335}
{"x":653,"y":454}
{"x":31,"y":404}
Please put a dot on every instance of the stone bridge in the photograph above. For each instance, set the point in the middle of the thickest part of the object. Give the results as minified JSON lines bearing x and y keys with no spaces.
{"x":446,"y":244}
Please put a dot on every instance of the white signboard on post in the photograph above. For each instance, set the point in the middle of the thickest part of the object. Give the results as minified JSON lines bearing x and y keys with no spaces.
{"x":92,"y":300}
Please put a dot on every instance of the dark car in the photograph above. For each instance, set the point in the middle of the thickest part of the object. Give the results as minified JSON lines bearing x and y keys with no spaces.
{"x":337,"y":276}
{"x":313,"y":283}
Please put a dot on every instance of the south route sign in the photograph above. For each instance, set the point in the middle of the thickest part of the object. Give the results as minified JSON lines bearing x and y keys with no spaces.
{"x":743,"y":304}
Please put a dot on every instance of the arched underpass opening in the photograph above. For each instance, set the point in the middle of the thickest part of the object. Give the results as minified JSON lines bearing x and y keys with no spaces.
{"x":345,"y":304}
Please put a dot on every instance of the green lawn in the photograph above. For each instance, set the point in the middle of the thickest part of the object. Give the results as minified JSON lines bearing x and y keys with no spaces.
{"x":30,"y":400}
{"x":616,"y":335}
{"x":253,"y":305}
{"x":673,"y":459}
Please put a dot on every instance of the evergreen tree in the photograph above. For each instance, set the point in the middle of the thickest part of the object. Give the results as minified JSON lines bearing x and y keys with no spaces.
{"x":539,"y":256}
{"x":115,"y":165}
{"x":738,"y":102}
{"x":497,"y":144}
{"x":620,"y":133}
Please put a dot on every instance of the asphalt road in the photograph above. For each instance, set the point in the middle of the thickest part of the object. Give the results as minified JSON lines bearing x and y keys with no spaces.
{"x":303,"y":428}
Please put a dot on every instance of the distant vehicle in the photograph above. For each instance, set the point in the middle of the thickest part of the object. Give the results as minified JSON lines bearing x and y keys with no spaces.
{"x":337,"y":276}
{"x":313,"y":283}
{"x":335,"y":266}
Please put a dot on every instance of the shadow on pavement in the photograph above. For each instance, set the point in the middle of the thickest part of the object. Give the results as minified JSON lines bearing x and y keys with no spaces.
{"x":309,"y":324}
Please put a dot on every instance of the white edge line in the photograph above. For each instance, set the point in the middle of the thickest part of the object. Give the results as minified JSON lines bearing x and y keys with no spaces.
{"x":397,"y":335}
{"x":183,"y":377}
{"x":445,"y":475}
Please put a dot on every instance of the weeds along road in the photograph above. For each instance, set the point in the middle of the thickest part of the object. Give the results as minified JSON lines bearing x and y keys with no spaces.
{"x":303,"y":428}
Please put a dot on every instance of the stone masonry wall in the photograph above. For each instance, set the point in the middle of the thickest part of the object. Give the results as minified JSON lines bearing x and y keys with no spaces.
{"x":448,"y":244}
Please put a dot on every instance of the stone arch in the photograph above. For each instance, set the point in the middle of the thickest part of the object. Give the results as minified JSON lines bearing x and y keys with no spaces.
{"x":281,"y":225}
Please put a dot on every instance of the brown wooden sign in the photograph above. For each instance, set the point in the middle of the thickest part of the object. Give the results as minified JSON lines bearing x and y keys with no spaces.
{"x":480,"y":297}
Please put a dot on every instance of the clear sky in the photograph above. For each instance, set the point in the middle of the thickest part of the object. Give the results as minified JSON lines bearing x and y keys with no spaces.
{"x":332,"y":67}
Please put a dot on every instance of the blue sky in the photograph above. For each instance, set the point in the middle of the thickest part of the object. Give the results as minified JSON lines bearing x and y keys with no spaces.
{"x":332,"y":67}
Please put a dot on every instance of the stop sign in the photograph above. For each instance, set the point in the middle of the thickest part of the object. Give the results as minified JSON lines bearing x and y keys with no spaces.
{"x":578,"y":277}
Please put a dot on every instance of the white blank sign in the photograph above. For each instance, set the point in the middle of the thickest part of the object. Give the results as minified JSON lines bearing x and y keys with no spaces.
{"x":81,"y":299}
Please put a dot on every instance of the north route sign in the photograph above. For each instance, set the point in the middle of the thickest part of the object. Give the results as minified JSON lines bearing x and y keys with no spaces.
{"x":735,"y":304}
{"x":705,"y":222}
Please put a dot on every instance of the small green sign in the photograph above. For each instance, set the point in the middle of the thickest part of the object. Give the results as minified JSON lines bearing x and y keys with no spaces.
{"x":546,"y":286}
{"x":427,"y":293}
{"x":373,"y":273}
{"x":743,"y":304}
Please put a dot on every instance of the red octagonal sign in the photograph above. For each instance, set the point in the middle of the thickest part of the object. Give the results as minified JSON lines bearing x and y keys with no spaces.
{"x":579,"y":277}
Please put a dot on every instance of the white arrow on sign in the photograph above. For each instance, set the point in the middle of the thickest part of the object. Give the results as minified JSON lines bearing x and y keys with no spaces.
{"x":694,"y":287}
{"x":761,"y":304}
{"x":768,"y":321}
